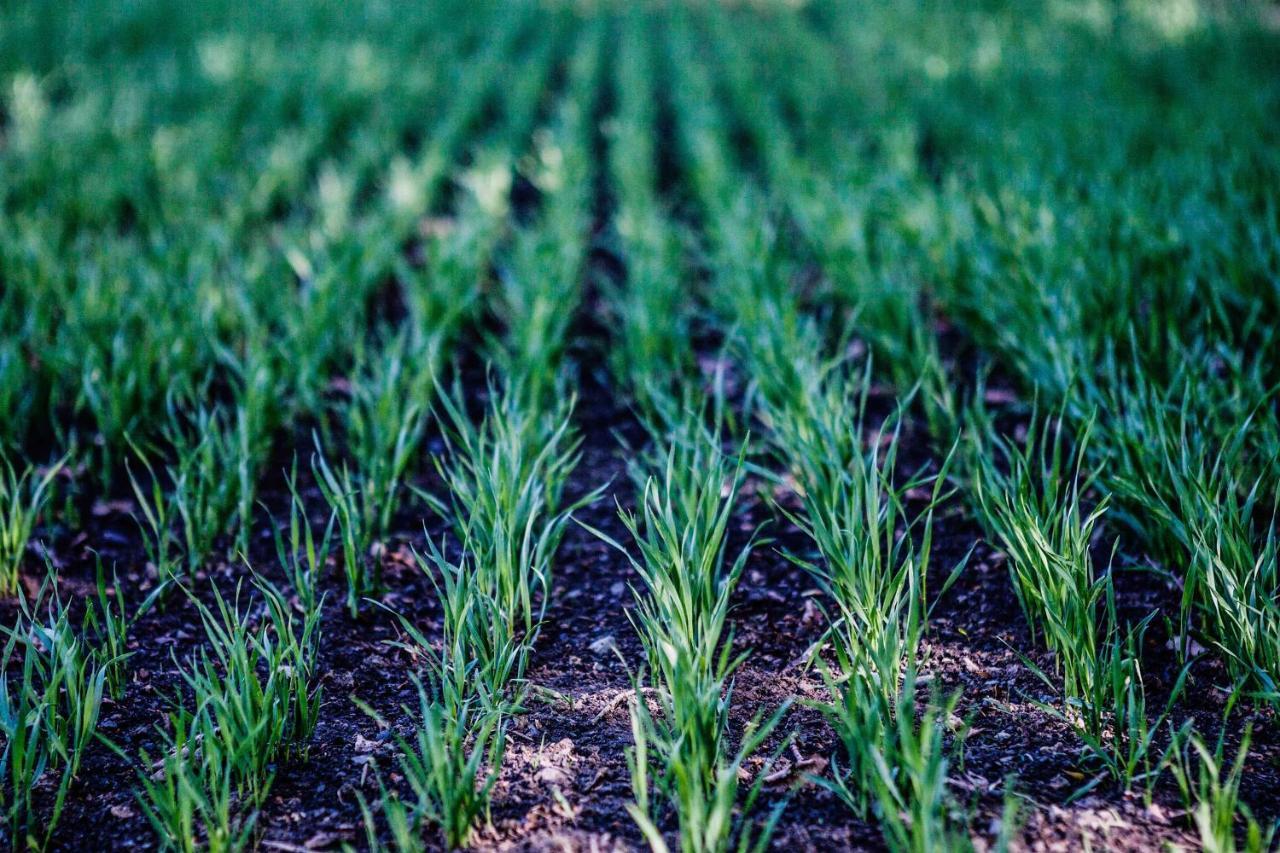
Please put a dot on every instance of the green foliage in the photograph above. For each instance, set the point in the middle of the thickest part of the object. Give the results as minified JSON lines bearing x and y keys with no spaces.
{"x":189,"y":801}
{"x":506,"y":478}
{"x":450,"y":764}
{"x":361,"y":568}
{"x":687,"y":762}
{"x":855,"y":514}
{"x":874,"y":578}
{"x":909,"y":777}
{"x":254,"y":720}
{"x":48,"y":715}
{"x":22,"y":498}
{"x":1193,"y":469}
{"x":483,"y":654}
{"x":255,"y":702}
{"x":1111,"y":718}
{"x":107,"y":624}
{"x":384,"y":422}
{"x":213,"y":479}
{"x":220,"y":231}
{"x":158,"y":536}
{"x":650,"y":309}
{"x":540,"y":277}
{"x":688,"y":576}
{"x":1029,"y":501}
{"x":682,"y":755}
{"x":873,"y":574}
{"x":1210,"y":789}
{"x":206,"y":493}
{"x":1235,"y":576}
{"x":302,"y":558}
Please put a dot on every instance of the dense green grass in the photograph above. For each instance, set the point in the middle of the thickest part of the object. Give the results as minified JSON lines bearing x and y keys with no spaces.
{"x":843,"y":255}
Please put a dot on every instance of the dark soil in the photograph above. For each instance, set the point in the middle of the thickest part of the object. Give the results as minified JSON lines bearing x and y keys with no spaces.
{"x":565,"y":784}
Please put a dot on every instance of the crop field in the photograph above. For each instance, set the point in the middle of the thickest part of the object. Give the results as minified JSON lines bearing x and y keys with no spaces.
{"x":690,"y":425}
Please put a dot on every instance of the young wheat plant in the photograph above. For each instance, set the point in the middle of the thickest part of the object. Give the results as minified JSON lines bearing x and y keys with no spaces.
{"x":1034,"y":512}
{"x":450,"y":764}
{"x":506,"y":479}
{"x":681,"y":754}
{"x":361,"y":568}
{"x":23,"y":496}
{"x":255,"y":702}
{"x":1210,"y":789}
{"x":48,"y":715}
{"x":874,"y":576}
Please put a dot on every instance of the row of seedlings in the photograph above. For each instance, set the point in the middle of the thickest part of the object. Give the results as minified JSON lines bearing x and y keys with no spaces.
{"x":507,"y":507}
